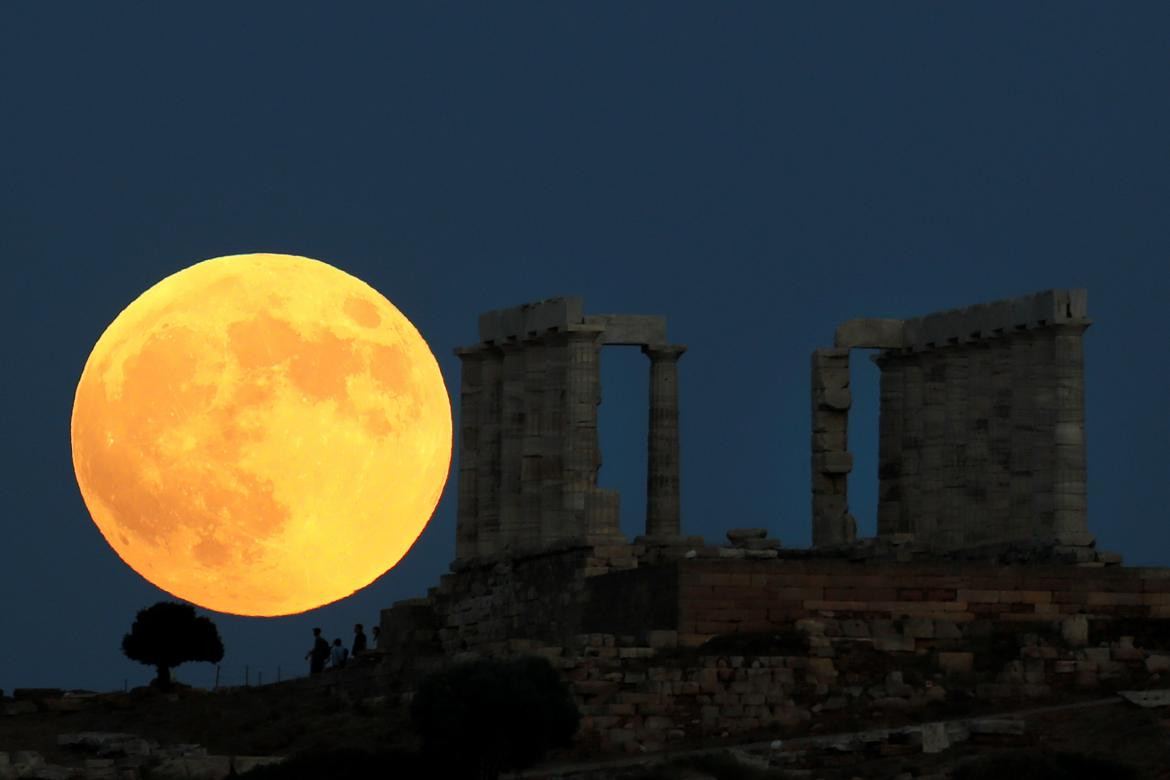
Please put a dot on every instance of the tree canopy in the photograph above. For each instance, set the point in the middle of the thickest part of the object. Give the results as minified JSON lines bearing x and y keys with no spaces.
{"x":168,"y":634}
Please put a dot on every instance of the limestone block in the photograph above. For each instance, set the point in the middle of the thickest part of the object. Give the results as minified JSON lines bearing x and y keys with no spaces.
{"x":630,"y":329}
{"x":833,"y":463}
{"x":934,"y":738}
{"x":736,"y":535}
{"x":830,"y":356}
{"x":835,"y":398}
{"x":871,"y":333}
{"x":1075,"y":630}
{"x":556,"y":313}
{"x":1157,"y":663}
{"x":955,"y":662}
{"x":893,"y":644}
{"x":27,"y":759}
{"x":918,"y":628}
{"x":945,"y":629}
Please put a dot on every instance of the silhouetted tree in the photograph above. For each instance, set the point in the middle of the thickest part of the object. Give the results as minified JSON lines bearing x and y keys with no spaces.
{"x":482,"y":717}
{"x":168,"y":634}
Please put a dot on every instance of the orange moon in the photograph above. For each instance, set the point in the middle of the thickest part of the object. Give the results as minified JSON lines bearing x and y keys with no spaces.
{"x":261,"y":434}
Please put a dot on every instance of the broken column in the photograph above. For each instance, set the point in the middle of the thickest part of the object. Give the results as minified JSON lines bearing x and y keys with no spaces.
{"x":662,"y":477}
{"x":831,"y":461}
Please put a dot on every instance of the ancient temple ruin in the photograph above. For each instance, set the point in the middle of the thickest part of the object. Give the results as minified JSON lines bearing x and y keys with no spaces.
{"x":981,"y":431}
{"x":667,"y":639}
{"x":528,"y":451}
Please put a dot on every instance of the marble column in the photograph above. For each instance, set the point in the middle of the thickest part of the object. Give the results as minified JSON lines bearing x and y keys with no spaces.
{"x":553,"y":525}
{"x":912,"y":440}
{"x":1000,"y":438}
{"x":528,"y":532}
{"x":1069,"y":483}
{"x":662,"y":479}
{"x":952,"y":506}
{"x":934,"y":447}
{"x":891,"y":420}
{"x":470,"y":394}
{"x":1021,"y":520}
{"x":511,"y":442}
{"x":978,"y":452}
{"x":580,"y":449}
{"x":831,"y":461}
{"x":487,"y":493}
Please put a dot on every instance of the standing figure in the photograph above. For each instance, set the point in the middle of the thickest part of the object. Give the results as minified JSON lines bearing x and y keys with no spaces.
{"x":359,"y":641}
{"x":339,"y":655}
{"x":318,"y":654}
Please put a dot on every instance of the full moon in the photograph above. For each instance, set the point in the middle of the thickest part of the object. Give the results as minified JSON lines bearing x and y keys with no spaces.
{"x":261,"y":434}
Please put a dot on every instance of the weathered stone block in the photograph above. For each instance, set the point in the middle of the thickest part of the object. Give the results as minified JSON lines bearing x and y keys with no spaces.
{"x":955,"y":662}
{"x":871,"y":333}
{"x":1075,"y":630}
{"x":833,"y":462}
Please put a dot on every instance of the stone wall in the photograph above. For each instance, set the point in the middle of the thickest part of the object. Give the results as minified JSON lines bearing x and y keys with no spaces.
{"x":692,"y":648}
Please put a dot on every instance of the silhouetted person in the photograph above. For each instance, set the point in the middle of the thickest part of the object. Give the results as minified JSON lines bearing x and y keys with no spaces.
{"x":319,"y":654}
{"x":359,"y":641}
{"x":339,"y":655}
{"x":377,"y":634}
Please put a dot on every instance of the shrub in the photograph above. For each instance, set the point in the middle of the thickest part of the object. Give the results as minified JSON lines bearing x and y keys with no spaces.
{"x":482,"y":717}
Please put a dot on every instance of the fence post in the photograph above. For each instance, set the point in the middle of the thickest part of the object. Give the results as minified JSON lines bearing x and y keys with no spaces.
{"x":278,"y":674}
{"x":259,"y":676}
{"x":216,"y":688}
{"x":247,"y":676}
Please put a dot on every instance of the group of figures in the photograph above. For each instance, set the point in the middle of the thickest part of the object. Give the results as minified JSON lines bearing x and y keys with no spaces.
{"x":336,"y":655}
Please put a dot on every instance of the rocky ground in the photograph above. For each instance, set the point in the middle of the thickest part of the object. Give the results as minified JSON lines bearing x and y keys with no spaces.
{"x":191,"y":733}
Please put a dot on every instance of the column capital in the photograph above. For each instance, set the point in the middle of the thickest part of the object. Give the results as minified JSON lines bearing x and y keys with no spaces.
{"x":658,"y":352}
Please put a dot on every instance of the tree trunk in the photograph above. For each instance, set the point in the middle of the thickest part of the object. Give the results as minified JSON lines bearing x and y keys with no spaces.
{"x":163,"y":681}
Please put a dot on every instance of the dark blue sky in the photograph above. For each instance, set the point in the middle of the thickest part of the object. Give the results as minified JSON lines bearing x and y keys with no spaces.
{"x":758,"y":172}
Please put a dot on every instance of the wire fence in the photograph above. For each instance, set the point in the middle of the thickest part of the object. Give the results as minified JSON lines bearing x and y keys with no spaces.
{"x":232,"y":675}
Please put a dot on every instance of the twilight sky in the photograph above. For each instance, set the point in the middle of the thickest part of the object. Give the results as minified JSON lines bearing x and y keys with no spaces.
{"x":757,"y":172}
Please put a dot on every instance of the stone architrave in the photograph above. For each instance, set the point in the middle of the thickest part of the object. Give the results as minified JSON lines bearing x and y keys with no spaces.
{"x":990,"y":447}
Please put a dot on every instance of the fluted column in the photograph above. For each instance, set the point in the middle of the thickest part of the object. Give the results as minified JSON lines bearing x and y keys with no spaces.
{"x":529,"y":531}
{"x":580,"y":448}
{"x":662,"y":478}
{"x":487,"y":462}
{"x":1069,"y":484}
{"x":511,"y":442}
{"x":467,"y":516}
{"x":891,"y":423}
{"x":831,"y":461}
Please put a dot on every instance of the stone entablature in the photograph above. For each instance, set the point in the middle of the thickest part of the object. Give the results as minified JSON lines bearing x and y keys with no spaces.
{"x":981,"y":431}
{"x":528,"y":443}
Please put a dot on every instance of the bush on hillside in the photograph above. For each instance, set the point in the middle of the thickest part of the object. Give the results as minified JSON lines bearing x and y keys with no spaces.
{"x":479,"y":718}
